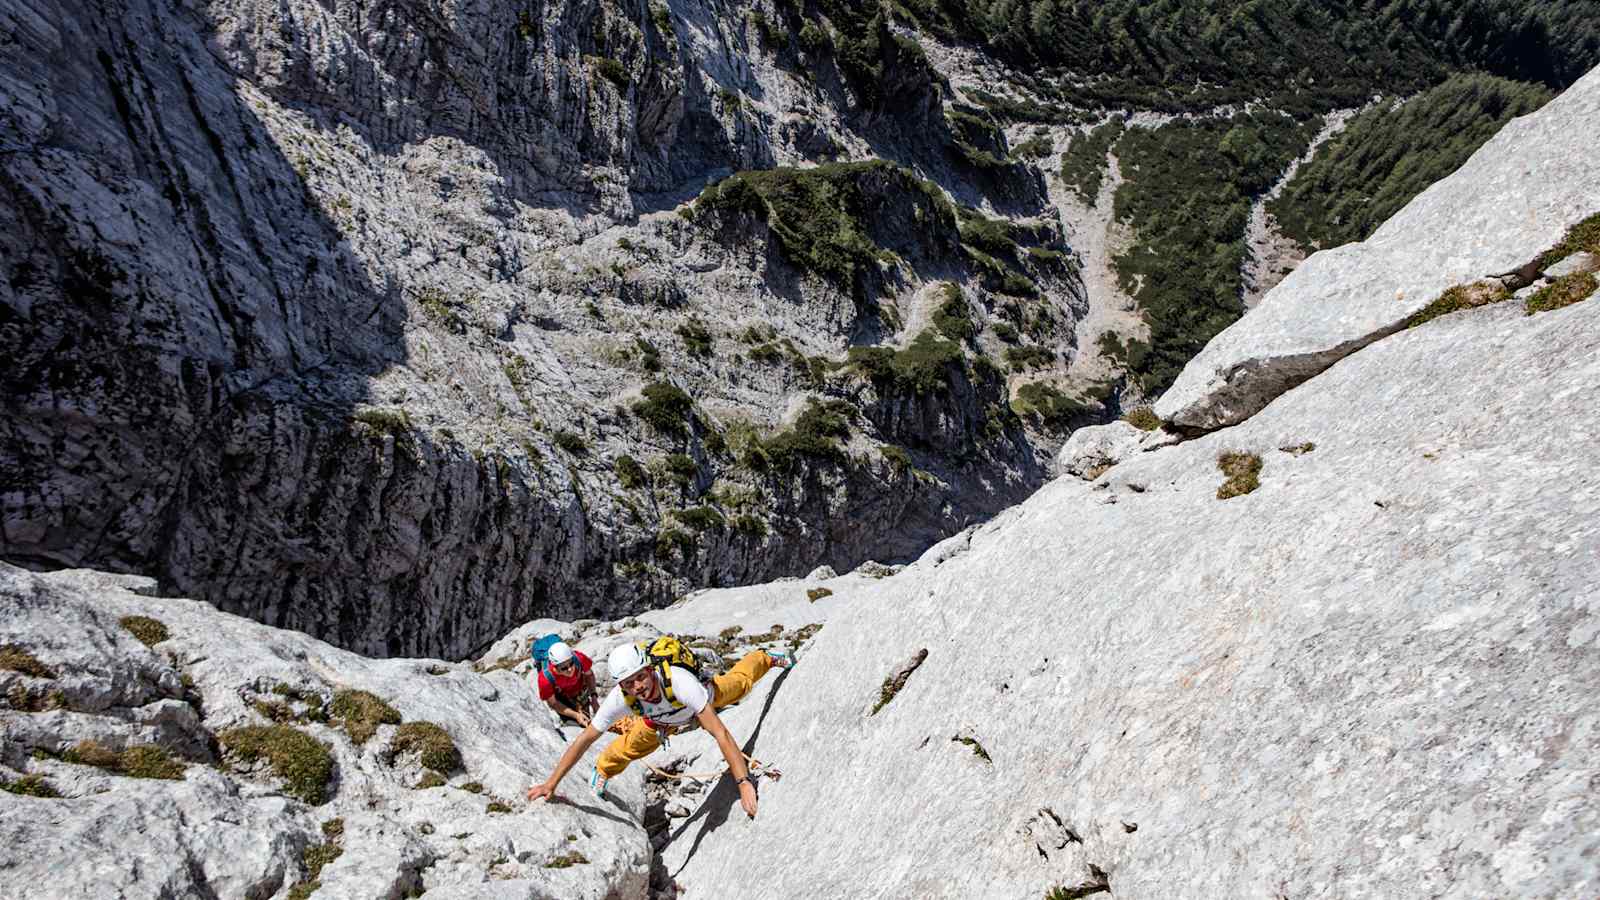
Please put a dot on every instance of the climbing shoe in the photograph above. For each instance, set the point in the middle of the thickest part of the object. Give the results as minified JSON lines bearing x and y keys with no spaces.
{"x":597,"y":783}
{"x":781,"y":659}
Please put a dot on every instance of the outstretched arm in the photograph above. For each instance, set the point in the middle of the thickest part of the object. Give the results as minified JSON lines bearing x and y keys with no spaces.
{"x":575,"y":751}
{"x":712,"y":723}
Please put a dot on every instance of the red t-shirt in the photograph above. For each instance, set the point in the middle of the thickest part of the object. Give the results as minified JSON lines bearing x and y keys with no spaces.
{"x":569,"y":686}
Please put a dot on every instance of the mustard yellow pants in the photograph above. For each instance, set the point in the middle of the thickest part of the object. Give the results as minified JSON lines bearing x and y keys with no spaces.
{"x":638,"y":740}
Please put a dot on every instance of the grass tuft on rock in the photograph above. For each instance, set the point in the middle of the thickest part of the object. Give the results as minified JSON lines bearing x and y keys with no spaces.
{"x":150,"y":632}
{"x":1143,"y":418}
{"x":1243,"y":471}
{"x":1564,"y":291}
{"x":1582,"y":237}
{"x":1458,"y":298}
{"x":567,"y":860}
{"x":16,"y":659}
{"x":817,"y":593}
{"x":25,"y":699}
{"x":429,"y":779}
{"x":435,"y":746}
{"x":496,"y":806}
{"x":302,"y":761}
{"x":316,"y":857}
{"x":360,"y":713}
{"x":972,"y":743}
{"x":30,"y":786}
{"x":137,"y":761}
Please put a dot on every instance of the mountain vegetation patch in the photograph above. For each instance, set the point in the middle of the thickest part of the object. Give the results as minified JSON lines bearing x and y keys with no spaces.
{"x":1390,"y":153}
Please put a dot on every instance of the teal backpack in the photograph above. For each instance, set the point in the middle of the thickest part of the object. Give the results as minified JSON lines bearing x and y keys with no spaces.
{"x":539,"y":652}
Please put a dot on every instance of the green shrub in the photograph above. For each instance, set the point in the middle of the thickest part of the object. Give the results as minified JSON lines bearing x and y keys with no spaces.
{"x":1187,"y":195}
{"x":611,"y":70}
{"x":1047,"y":403}
{"x":671,"y":539}
{"x":302,"y":761}
{"x":682,"y":468}
{"x":697,"y":339}
{"x":1243,"y":471}
{"x":812,"y":435}
{"x":30,"y":786}
{"x":1083,"y":164}
{"x":665,"y":407}
{"x":629,"y":473}
{"x":16,"y":659}
{"x":497,"y":806}
{"x":1005,"y":331}
{"x":772,"y":35}
{"x":1564,"y":291}
{"x":1458,"y":298}
{"x":925,"y":366}
{"x":1036,"y":147}
{"x":896,"y":456}
{"x":820,"y":215}
{"x":1129,"y":356}
{"x":758,"y":334}
{"x":150,"y":632}
{"x":571,"y":441}
{"x":649,"y":355}
{"x":953,"y":318}
{"x":702,"y":518}
{"x":429,"y":779}
{"x":814,"y":38}
{"x":749,"y":525}
{"x":1143,"y":418}
{"x":360,"y":713}
{"x":1031,"y":356}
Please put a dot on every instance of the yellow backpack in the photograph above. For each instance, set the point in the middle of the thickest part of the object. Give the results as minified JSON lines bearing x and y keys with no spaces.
{"x":663,"y":653}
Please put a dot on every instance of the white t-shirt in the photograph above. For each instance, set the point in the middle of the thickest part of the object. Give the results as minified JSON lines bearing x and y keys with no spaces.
{"x":687,"y":688}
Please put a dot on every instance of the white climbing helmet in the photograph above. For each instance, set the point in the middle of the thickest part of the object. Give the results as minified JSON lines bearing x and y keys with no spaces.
{"x":560,"y":653}
{"x":625,"y":660}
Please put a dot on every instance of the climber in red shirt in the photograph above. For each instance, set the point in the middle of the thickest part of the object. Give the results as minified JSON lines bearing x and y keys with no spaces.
{"x":566,"y":684}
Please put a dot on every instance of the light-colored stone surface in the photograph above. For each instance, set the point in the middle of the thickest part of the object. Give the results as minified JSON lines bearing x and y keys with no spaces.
{"x":1509,"y":203}
{"x":225,"y":834}
{"x":1090,"y":451}
{"x":1375,"y":676}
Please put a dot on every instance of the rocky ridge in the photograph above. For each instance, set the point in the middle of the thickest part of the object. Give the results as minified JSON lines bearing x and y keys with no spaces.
{"x":343,"y":318}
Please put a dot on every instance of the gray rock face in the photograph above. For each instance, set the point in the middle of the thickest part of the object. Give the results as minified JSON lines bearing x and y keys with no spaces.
{"x":336,"y":317}
{"x":228,"y":829}
{"x":1509,"y":203}
{"x":1090,"y":451}
{"x":1374,"y":676}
